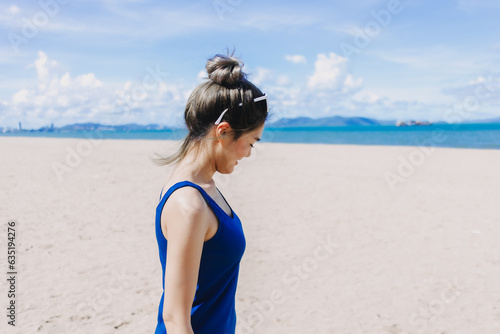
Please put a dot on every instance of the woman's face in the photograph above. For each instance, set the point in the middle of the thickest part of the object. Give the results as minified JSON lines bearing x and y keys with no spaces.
{"x":232,"y":151}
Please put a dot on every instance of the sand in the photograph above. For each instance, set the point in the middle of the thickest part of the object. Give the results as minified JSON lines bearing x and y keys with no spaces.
{"x":338,"y":240}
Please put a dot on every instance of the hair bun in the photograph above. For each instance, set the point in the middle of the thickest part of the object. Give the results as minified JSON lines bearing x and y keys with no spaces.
{"x":225,"y":70}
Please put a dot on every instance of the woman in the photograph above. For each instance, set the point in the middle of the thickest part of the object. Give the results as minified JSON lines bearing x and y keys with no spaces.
{"x":199,"y":236}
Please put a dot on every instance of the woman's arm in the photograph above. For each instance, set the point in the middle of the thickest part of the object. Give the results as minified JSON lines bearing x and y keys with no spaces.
{"x":186,"y":227}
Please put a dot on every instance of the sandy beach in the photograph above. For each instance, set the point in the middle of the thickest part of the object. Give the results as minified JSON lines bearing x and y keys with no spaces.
{"x":340,"y":239}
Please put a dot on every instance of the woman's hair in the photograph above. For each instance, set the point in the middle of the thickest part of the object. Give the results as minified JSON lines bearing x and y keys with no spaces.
{"x":226,"y":88}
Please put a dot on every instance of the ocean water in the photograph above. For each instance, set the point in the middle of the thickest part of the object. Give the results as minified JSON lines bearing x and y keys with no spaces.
{"x":438,"y":135}
{"x":486,"y":136}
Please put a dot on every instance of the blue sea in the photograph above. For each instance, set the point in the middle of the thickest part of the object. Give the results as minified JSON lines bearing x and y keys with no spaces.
{"x":486,"y":136}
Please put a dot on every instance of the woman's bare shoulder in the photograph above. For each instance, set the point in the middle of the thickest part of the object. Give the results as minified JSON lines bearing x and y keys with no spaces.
{"x":188,"y":199}
{"x":185,"y":210}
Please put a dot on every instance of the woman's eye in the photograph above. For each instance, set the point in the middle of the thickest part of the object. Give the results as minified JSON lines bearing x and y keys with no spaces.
{"x":251,"y":145}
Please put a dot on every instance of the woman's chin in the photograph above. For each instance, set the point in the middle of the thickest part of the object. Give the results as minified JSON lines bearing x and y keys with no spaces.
{"x":227,"y":170}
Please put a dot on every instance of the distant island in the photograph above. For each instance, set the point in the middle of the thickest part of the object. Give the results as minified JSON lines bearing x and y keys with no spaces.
{"x":298,"y":122}
{"x":91,"y":127}
{"x":328,"y":121}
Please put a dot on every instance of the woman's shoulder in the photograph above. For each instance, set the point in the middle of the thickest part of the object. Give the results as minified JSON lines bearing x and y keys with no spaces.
{"x":186,"y":198}
{"x":186,"y":212}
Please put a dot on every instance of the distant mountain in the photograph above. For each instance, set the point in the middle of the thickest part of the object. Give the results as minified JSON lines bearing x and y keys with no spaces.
{"x":281,"y":123}
{"x":89,"y":127}
{"x":120,"y":128}
{"x":328,"y":121}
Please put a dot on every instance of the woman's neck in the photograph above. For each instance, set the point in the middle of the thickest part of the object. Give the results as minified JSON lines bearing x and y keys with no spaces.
{"x":199,"y":168}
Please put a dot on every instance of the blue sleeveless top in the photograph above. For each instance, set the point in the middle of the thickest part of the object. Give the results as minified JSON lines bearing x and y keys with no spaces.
{"x":213,"y":310}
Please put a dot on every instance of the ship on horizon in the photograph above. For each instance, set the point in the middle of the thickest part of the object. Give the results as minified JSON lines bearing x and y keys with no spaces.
{"x":412,"y":123}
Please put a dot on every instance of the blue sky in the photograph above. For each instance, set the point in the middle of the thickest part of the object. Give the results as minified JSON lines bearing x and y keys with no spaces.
{"x":121,"y":61}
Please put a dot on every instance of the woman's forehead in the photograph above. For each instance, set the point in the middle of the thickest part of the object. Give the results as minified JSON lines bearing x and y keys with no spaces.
{"x":257,"y":133}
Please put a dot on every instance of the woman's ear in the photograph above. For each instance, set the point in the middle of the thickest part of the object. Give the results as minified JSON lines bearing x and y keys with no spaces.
{"x":222,"y":129}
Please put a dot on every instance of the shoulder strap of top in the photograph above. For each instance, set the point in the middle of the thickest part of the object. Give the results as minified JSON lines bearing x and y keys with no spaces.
{"x":181,"y":184}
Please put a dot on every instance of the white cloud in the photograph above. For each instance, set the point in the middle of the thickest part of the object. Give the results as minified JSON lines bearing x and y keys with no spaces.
{"x":331,"y":73}
{"x":282,"y":80}
{"x":366,"y":96}
{"x":479,"y":80}
{"x":202,"y":76}
{"x":328,"y":91}
{"x":13,"y":9}
{"x":42,"y":66}
{"x":88,"y":80}
{"x":173,"y":92}
{"x":260,"y":76}
{"x":296,"y":59}
{"x":63,"y":99}
{"x":484,"y":92}
{"x":65,"y":80}
{"x":21,"y":97}
{"x":351,"y":84}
